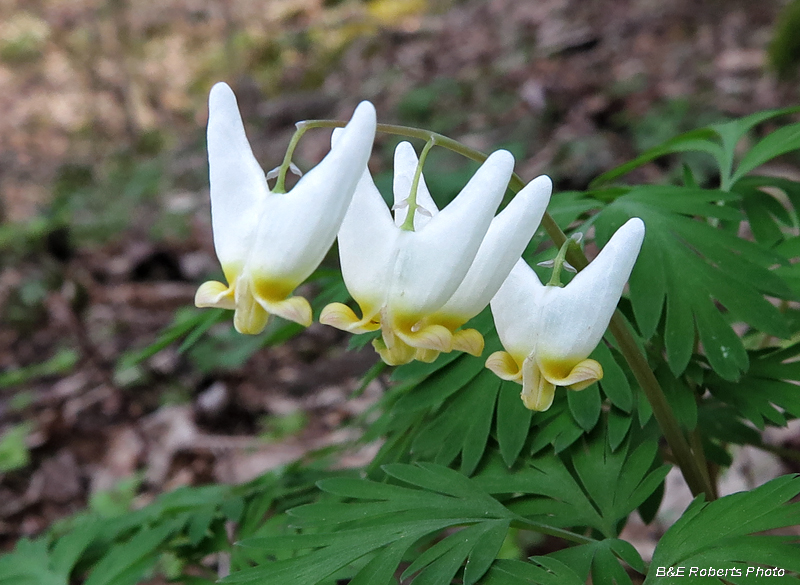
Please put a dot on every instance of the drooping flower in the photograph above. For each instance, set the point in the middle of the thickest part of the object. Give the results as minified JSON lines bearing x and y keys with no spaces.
{"x":403,"y":279}
{"x":502,"y":246}
{"x":549,"y":331}
{"x":269,"y":242}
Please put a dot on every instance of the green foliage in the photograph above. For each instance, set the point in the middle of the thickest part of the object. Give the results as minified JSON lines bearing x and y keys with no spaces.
{"x":724,"y":533}
{"x":464,"y":469}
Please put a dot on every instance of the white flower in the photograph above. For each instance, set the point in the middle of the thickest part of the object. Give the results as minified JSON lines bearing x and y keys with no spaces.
{"x":419,"y":286}
{"x":549,"y":331}
{"x":267,"y":242}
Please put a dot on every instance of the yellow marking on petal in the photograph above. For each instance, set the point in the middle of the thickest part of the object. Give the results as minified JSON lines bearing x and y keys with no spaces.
{"x":576,"y":377}
{"x":504,"y":366}
{"x":214,"y":294}
{"x":271,"y":289}
{"x":294,"y":309}
{"x":343,"y":317}
{"x":449,"y":320}
{"x":231,"y":272}
{"x":537,"y":392}
{"x":469,"y":341}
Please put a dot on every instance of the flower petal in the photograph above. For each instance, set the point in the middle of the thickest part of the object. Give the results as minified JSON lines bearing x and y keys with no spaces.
{"x":342,"y":317}
{"x":367,"y":240}
{"x":504,"y":366}
{"x":298,"y":228}
{"x":516,"y":308}
{"x":469,"y":341}
{"x":238,"y":185}
{"x":506,"y":239}
{"x":396,"y":353}
{"x":433,"y":337}
{"x":577,"y":315}
{"x":405,"y":166}
{"x":214,"y":294}
{"x":249,"y":317}
{"x":537,"y":392}
{"x":433,"y":261}
{"x":584,"y":374}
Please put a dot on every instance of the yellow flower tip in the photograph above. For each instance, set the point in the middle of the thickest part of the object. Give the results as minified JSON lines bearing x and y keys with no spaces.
{"x":580,"y":376}
{"x":469,"y":341}
{"x":586,"y":373}
{"x":538,"y":394}
{"x":250,"y":318}
{"x":294,"y":309}
{"x":435,"y":337}
{"x":343,"y":317}
{"x":214,"y":294}
{"x":426,"y":355}
{"x":398,"y":354}
{"x":504,"y":366}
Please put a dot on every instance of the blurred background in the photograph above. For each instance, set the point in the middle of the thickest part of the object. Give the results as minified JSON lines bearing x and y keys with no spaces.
{"x":104,"y":214}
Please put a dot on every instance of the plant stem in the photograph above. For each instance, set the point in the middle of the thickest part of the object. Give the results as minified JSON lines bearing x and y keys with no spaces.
{"x":408,"y":224}
{"x":280,"y":183}
{"x":691,"y":464}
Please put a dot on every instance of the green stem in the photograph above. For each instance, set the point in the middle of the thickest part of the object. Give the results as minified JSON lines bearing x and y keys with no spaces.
{"x":408,"y":224}
{"x":558,"y":263}
{"x":280,"y":183}
{"x":691,"y":469}
{"x":532,"y":525}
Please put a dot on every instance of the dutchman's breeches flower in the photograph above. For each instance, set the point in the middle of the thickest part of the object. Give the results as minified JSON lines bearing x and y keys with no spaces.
{"x":269,"y":242}
{"x":419,"y":286}
{"x":549,"y":331}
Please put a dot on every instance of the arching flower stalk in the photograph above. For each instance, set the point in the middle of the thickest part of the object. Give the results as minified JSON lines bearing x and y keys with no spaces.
{"x":548,"y":331}
{"x":268,"y":241}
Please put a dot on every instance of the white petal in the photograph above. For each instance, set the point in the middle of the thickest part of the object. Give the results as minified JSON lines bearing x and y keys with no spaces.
{"x":405,"y":165}
{"x":366,"y":241}
{"x":578,"y":314}
{"x":434,"y":260}
{"x":298,"y":227}
{"x":238,"y":186}
{"x":506,"y":239}
{"x":516,"y":308}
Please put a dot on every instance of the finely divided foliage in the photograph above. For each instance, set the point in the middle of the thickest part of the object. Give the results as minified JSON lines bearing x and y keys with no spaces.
{"x":464,"y":470}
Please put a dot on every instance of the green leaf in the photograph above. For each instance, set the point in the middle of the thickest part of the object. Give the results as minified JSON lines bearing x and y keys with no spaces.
{"x":542,"y":571}
{"x":617,"y":481}
{"x":767,"y":390}
{"x":381,"y":524}
{"x":585,"y":406}
{"x":381,"y":568}
{"x":618,"y":425}
{"x":126,"y":562}
{"x":69,"y":548}
{"x":781,"y":141}
{"x":485,"y":552}
{"x":694,"y":141}
{"x":513,"y":422}
{"x":477,"y":436}
{"x":615,"y":383}
{"x":723,"y":533}
{"x":555,"y":427}
{"x":699,"y":269}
